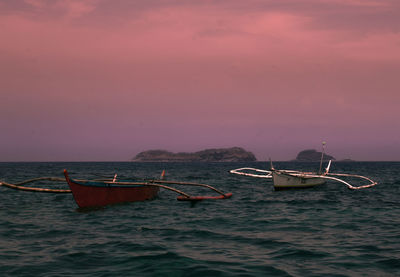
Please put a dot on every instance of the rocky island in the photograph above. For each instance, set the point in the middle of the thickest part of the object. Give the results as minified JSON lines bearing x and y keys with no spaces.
{"x":312,"y":155}
{"x":234,"y":154}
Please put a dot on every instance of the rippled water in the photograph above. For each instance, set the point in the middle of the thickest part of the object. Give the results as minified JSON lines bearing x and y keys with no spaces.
{"x":323,"y":231}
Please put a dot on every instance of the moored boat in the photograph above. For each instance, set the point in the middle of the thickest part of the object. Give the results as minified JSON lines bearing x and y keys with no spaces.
{"x":286,"y":180}
{"x":97,"y":193}
{"x":102,"y":192}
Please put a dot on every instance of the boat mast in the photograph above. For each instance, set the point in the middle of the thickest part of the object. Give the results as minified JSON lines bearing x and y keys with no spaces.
{"x":322,"y":156}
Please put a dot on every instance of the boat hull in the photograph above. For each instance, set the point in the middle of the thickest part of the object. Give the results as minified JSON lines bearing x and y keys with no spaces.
{"x":97,"y":194}
{"x":289,"y":181}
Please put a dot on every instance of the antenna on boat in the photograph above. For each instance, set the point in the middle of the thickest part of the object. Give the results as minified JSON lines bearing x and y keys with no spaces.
{"x":322,"y":156}
{"x":272,"y":166}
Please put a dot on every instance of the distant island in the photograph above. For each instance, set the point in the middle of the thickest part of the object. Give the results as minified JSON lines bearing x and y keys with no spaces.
{"x":347,"y":160}
{"x":234,"y":154}
{"x":312,"y":155}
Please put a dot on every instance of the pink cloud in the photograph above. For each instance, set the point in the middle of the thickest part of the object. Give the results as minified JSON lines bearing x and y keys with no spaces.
{"x":190,"y":33}
{"x":373,"y":47}
{"x":36,"y":3}
{"x":75,"y":9}
{"x":69,"y":8}
{"x":360,"y":3}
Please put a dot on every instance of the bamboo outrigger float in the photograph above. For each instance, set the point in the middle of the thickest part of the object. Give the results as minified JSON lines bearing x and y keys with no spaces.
{"x":101,"y":192}
{"x":287,"y":179}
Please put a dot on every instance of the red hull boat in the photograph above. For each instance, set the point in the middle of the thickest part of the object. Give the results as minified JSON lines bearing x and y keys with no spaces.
{"x":97,"y":194}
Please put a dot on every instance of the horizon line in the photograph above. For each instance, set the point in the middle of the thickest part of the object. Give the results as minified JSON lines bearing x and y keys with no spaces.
{"x":131,"y":161}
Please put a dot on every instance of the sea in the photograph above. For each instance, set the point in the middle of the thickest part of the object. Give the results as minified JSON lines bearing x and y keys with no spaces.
{"x":327,"y":230}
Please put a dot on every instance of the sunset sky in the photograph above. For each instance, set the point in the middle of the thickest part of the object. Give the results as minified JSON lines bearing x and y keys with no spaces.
{"x":101,"y":80}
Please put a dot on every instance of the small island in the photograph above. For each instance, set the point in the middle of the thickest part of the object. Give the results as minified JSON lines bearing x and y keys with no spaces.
{"x":312,"y":155}
{"x":234,"y":154}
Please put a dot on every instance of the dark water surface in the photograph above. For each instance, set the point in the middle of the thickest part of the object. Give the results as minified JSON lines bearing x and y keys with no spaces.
{"x":323,"y":231}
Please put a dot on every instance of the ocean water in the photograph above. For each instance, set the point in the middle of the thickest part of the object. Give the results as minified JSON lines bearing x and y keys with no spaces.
{"x":327,"y":230}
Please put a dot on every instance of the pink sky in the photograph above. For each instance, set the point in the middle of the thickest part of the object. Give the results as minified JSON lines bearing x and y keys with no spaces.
{"x":100,"y":80}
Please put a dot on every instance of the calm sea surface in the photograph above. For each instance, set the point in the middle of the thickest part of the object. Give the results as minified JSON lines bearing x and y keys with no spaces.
{"x":323,"y":231}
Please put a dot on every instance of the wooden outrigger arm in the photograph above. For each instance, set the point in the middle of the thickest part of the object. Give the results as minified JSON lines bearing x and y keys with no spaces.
{"x":196,"y":198}
{"x":18,"y":186}
{"x":238,"y":171}
{"x":188,"y":184}
{"x":371,"y":184}
{"x":153,"y":183}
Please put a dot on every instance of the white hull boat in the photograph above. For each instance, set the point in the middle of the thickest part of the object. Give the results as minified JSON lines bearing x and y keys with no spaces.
{"x":288,"y":179}
{"x":284,"y":180}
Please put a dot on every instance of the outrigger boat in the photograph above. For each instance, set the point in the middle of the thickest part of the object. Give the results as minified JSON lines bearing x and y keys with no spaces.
{"x":288,"y":179}
{"x":284,"y":179}
{"x":102,"y":192}
{"x":95,"y":193}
